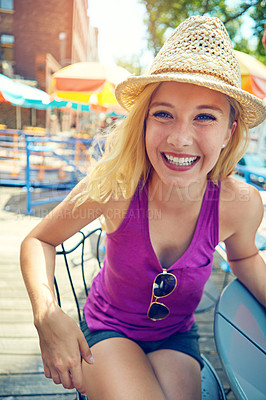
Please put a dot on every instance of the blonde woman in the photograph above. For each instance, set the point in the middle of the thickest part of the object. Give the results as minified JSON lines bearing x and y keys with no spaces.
{"x":164,"y":190}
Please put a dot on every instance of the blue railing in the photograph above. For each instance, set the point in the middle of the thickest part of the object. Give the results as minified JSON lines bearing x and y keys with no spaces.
{"x":48,"y":168}
{"x":66,"y":166}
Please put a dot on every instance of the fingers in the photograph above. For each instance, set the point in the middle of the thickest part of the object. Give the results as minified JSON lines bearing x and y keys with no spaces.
{"x":62,"y":350}
{"x":68,"y":374}
{"x":56,"y":377}
{"x":85,"y":350}
{"x":51,"y":374}
{"x":71,"y":379}
{"x":66,"y":380}
{"x":78,"y":380}
{"x":47,"y":371}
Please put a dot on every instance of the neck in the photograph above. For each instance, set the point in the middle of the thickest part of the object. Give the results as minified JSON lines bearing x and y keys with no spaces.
{"x":174,"y":195}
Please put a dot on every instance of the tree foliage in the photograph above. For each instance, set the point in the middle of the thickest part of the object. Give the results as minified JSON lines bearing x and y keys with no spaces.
{"x":164,"y":15}
{"x":132,"y":64}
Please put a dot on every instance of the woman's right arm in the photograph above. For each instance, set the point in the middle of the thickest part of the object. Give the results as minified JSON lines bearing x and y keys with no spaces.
{"x":61,"y":340}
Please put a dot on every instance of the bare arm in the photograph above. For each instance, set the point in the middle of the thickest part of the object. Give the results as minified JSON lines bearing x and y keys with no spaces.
{"x":252,"y":273}
{"x":61,"y":341}
{"x":243,"y":255}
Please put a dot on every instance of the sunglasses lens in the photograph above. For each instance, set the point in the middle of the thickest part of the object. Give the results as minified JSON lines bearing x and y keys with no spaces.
{"x":164,"y":284}
{"x":158,"y":311}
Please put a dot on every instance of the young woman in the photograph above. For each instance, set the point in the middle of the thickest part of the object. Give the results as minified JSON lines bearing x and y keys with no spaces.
{"x":164,"y":189}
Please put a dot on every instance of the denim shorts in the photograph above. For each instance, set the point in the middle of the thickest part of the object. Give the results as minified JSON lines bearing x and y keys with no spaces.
{"x":185,"y":342}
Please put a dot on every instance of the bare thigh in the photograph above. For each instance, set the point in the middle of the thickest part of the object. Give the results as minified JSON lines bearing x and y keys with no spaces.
{"x":178,"y":374}
{"x":121,"y":371}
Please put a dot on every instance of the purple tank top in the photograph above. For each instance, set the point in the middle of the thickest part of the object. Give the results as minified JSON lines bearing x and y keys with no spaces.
{"x":121,"y":292}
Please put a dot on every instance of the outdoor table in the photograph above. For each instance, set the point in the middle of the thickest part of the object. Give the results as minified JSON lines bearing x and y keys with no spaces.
{"x":240,"y":336}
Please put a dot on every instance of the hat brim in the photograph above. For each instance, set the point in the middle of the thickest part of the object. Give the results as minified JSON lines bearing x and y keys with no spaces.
{"x":254,"y":110}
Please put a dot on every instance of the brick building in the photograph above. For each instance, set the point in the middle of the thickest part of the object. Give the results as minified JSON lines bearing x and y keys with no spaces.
{"x":7,"y":39}
{"x":39,"y":37}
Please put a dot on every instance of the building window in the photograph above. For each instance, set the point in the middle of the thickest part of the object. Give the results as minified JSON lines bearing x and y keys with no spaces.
{"x":7,"y":4}
{"x":8,"y":39}
{"x":7,"y":47}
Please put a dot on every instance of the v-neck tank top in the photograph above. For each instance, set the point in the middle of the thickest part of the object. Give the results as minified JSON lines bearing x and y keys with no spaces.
{"x":121,"y":292}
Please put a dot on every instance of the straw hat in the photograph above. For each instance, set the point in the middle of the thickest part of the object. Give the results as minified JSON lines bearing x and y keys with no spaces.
{"x":199,"y":51}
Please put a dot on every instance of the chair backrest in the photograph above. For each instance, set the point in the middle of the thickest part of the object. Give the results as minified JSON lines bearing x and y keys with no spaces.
{"x":240,"y":336}
{"x":86,"y":247}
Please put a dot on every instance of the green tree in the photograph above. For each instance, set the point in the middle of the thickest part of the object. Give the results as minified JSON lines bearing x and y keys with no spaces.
{"x":164,"y":15}
{"x":131,"y":64}
{"x":258,"y":14}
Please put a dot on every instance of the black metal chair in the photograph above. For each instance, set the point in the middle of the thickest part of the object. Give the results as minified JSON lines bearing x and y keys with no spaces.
{"x":70,"y":261}
{"x":212,"y":388}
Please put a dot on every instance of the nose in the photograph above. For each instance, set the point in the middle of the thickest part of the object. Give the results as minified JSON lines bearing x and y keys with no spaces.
{"x":180,"y":136}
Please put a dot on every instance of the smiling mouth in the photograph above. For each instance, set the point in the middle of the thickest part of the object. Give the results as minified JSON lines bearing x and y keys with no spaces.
{"x":180,"y":161}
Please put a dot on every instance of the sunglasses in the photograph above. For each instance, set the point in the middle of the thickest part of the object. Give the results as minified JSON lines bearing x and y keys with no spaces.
{"x":163,"y":285}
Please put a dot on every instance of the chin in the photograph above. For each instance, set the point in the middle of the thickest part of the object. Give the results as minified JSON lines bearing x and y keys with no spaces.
{"x":178,"y":182}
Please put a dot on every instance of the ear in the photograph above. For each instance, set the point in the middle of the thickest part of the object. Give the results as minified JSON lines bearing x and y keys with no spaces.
{"x":230,"y":133}
{"x":233,"y":128}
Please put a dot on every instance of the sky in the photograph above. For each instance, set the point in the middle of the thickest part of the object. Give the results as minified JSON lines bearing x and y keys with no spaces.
{"x":121,"y":29}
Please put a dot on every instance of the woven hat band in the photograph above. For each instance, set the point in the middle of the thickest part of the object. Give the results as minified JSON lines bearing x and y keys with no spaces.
{"x":197,"y":51}
{"x":204,"y":72}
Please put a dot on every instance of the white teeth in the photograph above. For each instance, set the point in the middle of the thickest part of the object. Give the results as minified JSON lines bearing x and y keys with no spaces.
{"x":180,"y":160}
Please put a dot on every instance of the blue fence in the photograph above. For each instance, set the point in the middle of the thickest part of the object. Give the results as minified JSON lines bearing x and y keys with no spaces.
{"x":48,"y":168}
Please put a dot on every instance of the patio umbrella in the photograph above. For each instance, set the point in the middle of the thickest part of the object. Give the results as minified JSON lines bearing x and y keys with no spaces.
{"x":7,"y":89}
{"x":23,"y":95}
{"x":253,"y":74}
{"x":2,"y":99}
{"x":88,"y":82}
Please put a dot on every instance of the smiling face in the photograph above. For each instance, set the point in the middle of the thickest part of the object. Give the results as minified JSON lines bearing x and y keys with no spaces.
{"x":186,"y":128}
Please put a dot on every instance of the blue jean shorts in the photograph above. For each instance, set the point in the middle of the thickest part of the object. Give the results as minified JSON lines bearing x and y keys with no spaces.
{"x":185,"y":342}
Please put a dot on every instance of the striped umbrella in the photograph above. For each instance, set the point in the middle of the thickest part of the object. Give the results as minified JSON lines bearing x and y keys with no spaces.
{"x":253,"y":74}
{"x":88,"y":83}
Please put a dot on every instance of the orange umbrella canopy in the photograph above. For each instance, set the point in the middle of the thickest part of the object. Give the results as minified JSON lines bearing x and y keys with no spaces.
{"x":88,"y":82}
{"x":2,"y":99}
{"x":253,"y":74}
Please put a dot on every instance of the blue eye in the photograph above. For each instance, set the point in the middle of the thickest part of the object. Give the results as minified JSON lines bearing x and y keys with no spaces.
{"x":205,"y":117}
{"x":162,"y":114}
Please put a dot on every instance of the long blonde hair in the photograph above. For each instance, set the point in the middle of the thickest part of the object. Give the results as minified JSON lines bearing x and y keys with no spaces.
{"x":235,"y":148}
{"x":124,"y":162}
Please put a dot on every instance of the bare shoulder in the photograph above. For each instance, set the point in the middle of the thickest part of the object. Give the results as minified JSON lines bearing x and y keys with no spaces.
{"x":240,"y":205}
{"x":68,"y":217}
{"x":114,"y":213}
{"x":75,"y":212}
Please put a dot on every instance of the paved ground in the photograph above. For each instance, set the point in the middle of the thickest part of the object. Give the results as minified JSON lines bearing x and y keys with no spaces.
{"x":21,"y":372}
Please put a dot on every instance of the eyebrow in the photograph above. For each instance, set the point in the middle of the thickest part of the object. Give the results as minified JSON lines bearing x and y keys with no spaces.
{"x":210,"y":107}
{"x":155,"y":104}
{"x":200,"y":107}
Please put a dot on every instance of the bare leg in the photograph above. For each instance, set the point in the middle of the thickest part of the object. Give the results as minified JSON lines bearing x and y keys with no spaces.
{"x":178,"y":374}
{"x":121,"y":371}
